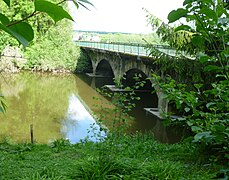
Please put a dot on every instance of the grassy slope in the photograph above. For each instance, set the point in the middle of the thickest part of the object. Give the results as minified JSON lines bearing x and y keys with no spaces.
{"x":128,"y":157}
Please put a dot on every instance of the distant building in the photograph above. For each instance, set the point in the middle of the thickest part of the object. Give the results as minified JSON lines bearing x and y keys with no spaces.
{"x":85,"y":36}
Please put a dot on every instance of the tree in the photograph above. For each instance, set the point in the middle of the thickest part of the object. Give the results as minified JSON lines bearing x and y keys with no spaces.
{"x":23,"y":31}
{"x":204,"y":102}
{"x":21,"y":21}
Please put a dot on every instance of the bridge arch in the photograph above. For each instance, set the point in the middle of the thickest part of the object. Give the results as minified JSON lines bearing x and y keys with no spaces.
{"x":134,"y":75}
{"x":121,"y":63}
{"x":104,"y":68}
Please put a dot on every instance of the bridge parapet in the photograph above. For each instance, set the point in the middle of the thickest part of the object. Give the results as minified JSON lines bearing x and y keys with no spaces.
{"x":127,"y":48}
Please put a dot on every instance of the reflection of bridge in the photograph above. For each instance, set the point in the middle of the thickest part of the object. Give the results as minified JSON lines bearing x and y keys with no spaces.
{"x":120,"y":60}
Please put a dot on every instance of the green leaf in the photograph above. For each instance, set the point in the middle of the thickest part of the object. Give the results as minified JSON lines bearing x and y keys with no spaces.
{"x":220,"y":10}
{"x":187,"y":109}
{"x":213,"y":68}
{"x":206,"y":135}
{"x":177,"y":14}
{"x":183,"y":27}
{"x":198,"y":41}
{"x":76,"y":4}
{"x":198,"y":86}
{"x":87,"y":2}
{"x":189,"y":123}
{"x":210,"y":104}
{"x":191,"y":17}
{"x":4,"y":19}
{"x":56,"y":12}
{"x":220,"y":128}
{"x":187,"y":2}
{"x":7,"y":2}
{"x":23,"y":32}
{"x":204,"y":59}
{"x":209,"y":13}
{"x":196,"y":128}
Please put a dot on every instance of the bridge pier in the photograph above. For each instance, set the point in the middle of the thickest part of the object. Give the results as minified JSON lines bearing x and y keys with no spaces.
{"x":162,"y":103}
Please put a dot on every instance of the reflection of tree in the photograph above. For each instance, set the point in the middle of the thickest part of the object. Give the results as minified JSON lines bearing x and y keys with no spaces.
{"x":43,"y":101}
{"x":11,"y":85}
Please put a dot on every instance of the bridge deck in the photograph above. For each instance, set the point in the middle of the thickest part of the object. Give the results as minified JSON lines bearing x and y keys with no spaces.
{"x":131,"y":48}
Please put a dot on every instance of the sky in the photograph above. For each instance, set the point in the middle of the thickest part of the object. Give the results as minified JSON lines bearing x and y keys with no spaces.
{"x":121,"y":15}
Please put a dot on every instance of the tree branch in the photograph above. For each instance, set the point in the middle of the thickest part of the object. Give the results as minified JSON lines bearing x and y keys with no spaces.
{"x":31,"y":15}
{"x":17,"y":22}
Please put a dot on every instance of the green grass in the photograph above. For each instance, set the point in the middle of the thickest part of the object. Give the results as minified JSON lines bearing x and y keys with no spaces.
{"x":127,"y":157}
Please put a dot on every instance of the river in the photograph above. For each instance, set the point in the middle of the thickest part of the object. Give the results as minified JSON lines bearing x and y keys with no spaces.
{"x":64,"y":106}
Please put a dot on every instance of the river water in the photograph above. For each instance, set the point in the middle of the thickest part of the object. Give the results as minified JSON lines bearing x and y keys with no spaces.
{"x":64,"y":106}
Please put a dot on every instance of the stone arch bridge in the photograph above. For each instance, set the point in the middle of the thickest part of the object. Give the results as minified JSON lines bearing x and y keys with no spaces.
{"x":122,"y":60}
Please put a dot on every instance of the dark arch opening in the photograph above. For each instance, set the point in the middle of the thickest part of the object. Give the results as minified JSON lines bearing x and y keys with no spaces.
{"x":147,"y":93}
{"x":133,"y":76}
{"x":105,"y":74}
{"x":104,"y":69}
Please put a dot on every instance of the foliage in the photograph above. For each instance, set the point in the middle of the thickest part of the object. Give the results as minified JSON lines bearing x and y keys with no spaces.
{"x":205,"y":101}
{"x":20,"y":20}
{"x":54,"y":51}
{"x":83,"y":64}
{"x":130,"y":157}
{"x":130,"y":38}
{"x":123,"y":101}
{"x":181,"y":40}
{"x":23,"y":31}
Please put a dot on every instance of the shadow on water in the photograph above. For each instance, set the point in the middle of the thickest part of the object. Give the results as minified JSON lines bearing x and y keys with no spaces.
{"x":142,"y":121}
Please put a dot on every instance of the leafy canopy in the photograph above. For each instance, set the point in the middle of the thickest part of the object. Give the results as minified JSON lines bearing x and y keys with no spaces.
{"x":201,"y":93}
{"x":23,"y":31}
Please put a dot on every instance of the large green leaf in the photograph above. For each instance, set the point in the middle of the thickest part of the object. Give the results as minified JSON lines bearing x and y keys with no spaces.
{"x":213,"y":68}
{"x":187,"y":2}
{"x":209,"y":13}
{"x":23,"y":29}
{"x":183,"y":27}
{"x":7,"y":2}
{"x":56,"y":12}
{"x":177,"y":14}
{"x":203,"y":135}
{"x":4,"y":19}
{"x":23,"y":32}
{"x":198,"y":41}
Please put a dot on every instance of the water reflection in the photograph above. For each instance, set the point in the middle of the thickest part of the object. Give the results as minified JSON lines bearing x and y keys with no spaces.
{"x":142,"y":121}
{"x":52,"y":103}
{"x":79,"y":124}
{"x":43,"y":100}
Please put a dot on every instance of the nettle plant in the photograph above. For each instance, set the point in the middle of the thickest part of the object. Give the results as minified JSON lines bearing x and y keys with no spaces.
{"x":204,"y":101}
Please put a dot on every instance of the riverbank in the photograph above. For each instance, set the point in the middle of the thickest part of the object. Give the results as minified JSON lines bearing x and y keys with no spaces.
{"x":126,"y":157}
